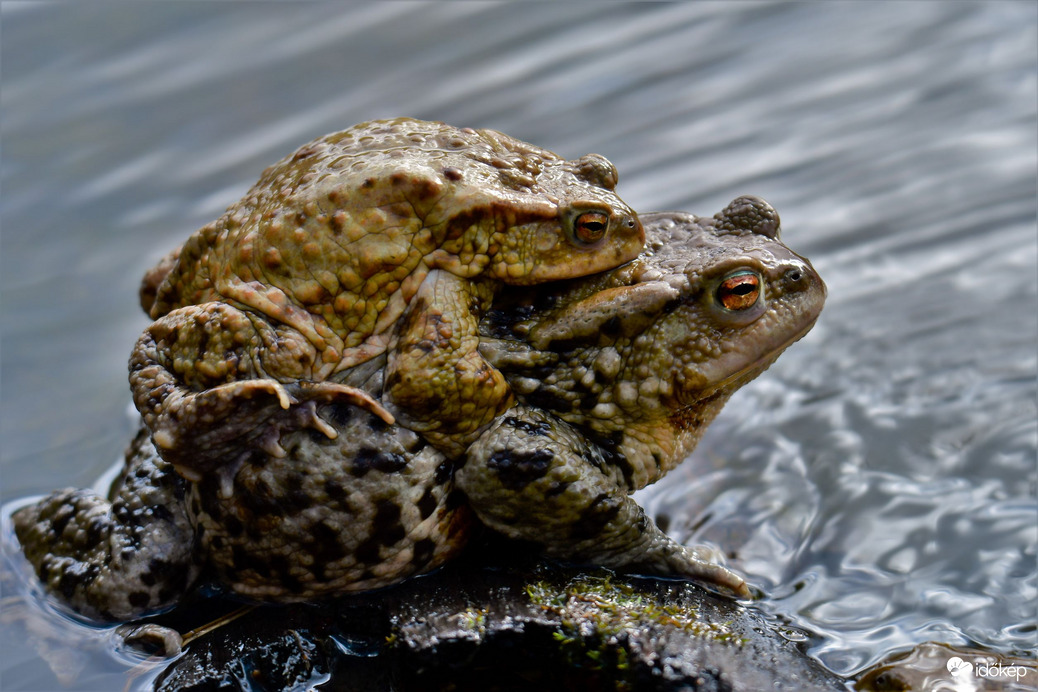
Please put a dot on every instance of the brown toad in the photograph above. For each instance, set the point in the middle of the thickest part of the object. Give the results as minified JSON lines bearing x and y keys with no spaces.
{"x":389,"y":237}
{"x":616,"y":376}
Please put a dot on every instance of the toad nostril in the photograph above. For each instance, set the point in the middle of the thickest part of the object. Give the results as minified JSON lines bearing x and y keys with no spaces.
{"x":794,"y":276}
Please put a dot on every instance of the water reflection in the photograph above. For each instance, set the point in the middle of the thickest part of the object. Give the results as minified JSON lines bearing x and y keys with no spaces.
{"x":878,"y":482}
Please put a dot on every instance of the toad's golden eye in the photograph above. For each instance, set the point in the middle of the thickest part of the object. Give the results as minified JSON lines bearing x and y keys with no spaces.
{"x":591,"y":226}
{"x":739,"y":291}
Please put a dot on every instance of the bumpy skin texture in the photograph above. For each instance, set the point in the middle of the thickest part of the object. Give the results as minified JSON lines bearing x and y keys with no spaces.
{"x":113,"y":558}
{"x":363,"y":511}
{"x":616,"y":376}
{"x":619,"y":377}
{"x":364,"y":241}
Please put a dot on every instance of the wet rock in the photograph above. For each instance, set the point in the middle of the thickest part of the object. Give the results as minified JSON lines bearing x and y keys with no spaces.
{"x":504,"y":628}
{"x":285,"y":648}
{"x":150,"y":639}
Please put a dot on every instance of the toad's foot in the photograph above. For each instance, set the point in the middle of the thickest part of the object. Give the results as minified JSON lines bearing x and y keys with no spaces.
{"x":212,"y":430}
{"x":119,"y":559}
{"x":533,"y":477}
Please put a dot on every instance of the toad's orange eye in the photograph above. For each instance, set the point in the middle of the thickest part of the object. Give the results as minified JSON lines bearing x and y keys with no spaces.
{"x":739,"y":291}
{"x":590,"y":226}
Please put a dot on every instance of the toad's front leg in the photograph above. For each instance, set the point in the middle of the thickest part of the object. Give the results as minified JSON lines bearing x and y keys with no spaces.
{"x":213,"y":382}
{"x":533,"y":477}
{"x":437,"y":383}
{"x":115,"y":558}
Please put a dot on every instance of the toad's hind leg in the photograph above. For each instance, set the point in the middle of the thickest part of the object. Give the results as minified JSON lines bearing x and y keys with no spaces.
{"x":437,"y":383}
{"x":533,"y":477}
{"x":118,"y":558}
{"x":203,"y":379}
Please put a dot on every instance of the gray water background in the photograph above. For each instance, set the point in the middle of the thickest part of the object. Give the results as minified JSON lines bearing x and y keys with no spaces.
{"x":878,"y":482}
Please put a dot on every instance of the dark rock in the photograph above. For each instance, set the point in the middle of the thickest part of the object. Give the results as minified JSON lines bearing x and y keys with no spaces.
{"x":564,"y":630}
{"x":519,"y":627}
{"x":285,"y":648}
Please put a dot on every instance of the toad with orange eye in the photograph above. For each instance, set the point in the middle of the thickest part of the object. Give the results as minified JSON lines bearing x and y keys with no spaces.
{"x":388,"y":239}
{"x":621,"y":373}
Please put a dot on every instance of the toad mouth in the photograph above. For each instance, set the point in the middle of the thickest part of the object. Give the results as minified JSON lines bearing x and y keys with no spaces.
{"x":756,"y":366}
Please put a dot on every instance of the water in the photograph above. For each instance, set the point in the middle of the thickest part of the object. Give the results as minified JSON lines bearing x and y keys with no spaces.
{"x":878,"y":482}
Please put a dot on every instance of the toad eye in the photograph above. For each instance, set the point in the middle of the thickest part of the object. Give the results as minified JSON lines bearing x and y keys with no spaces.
{"x":739,"y":290}
{"x":590,"y":226}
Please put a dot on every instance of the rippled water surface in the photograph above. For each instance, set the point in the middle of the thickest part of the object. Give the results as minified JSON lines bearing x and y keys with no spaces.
{"x":878,"y":482}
